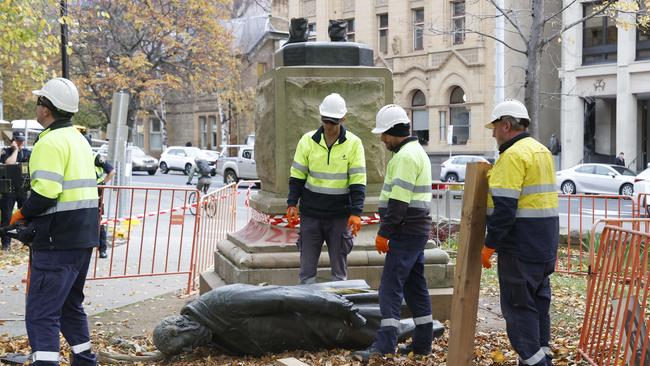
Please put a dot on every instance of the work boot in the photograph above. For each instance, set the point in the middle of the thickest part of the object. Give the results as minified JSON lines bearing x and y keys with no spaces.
{"x":102,"y":254}
{"x":406,"y":349}
{"x":6,"y":247}
{"x":365,"y":355}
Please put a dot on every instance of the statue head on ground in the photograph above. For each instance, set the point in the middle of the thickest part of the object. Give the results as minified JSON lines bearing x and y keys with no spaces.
{"x":177,"y":333}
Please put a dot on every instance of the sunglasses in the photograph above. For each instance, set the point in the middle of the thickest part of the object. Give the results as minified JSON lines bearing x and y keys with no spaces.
{"x":44,"y":102}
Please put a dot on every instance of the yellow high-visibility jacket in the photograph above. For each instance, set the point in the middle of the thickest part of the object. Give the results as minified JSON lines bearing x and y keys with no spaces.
{"x":523,"y":201}
{"x":63,"y":200}
{"x":405,"y":199}
{"x":328,"y":182}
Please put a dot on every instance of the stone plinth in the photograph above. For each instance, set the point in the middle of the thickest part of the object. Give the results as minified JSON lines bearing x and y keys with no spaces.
{"x":324,"y":53}
{"x":287,"y":107}
{"x":264,"y":253}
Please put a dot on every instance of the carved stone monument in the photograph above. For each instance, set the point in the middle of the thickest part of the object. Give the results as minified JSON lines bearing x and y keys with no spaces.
{"x":287,"y":107}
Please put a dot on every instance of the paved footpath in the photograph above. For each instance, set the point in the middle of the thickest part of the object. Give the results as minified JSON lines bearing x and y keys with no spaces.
{"x":107,"y":294}
{"x":101,"y":295}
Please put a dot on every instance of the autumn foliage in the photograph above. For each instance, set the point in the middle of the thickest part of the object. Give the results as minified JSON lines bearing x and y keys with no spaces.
{"x":151,"y":49}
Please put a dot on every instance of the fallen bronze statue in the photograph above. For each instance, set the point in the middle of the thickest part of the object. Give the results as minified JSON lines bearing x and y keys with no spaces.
{"x":253,"y":320}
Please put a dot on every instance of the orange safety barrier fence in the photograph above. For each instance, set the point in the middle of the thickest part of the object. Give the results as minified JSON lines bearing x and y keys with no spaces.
{"x":578,"y":213}
{"x":217,"y":217}
{"x":162,"y":231}
{"x":617,"y":317}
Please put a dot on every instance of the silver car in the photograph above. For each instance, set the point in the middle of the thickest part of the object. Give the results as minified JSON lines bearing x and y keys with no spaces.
{"x":453,"y":169}
{"x":140,"y":161}
{"x":596,"y":178}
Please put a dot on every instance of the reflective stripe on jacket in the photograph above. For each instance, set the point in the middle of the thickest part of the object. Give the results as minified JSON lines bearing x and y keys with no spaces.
{"x":405,"y":200}
{"x":523,"y":201}
{"x":328,"y":182}
{"x":63,"y":173}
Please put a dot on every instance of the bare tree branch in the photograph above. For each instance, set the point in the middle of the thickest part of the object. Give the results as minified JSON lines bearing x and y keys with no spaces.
{"x":510,"y":20}
{"x":550,"y":38}
{"x":558,"y":12}
{"x":496,"y":39}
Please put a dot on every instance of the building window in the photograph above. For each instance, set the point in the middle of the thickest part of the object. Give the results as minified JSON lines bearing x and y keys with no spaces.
{"x":420,"y":117}
{"x":598,"y":37}
{"x":350,"y":29}
{"x":138,"y":136}
{"x":203,"y":132}
{"x":642,"y":33}
{"x":418,"y":29}
{"x":443,"y":125}
{"x":383,"y":33}
{"x":458,"y":116}
{"x":155,"y":134}
{"x":311,"y":27}
{"x":212,"y":120}
{"x":458,"y":22}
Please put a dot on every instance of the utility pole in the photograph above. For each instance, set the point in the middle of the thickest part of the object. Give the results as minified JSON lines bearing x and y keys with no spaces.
{"x":64,"y":41}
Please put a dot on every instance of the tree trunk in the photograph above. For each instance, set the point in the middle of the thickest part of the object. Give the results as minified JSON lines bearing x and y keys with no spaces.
{"x":162,"y":117}
{"x":534,"y":51}
{"x":131,"y":116}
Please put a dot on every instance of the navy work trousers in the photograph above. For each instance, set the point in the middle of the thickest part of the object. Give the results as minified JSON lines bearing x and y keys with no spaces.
{"x":315,"y":231}
{"x":403,"y":278}
{"x":525,"y":301}
{"x":54,"y":303}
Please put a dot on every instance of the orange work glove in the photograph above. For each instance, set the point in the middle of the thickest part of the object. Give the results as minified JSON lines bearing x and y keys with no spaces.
{"x":292,"y":216}
{"x":381,"y":244}
{"x":486,"y":253}
{"x":17,"y":216}
{"x":354,"y":224}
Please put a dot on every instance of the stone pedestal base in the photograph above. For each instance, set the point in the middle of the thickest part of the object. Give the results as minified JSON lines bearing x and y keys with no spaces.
{"x":264,"y":253}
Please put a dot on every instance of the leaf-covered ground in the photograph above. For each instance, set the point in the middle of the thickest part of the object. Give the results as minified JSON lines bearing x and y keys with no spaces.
{"x":491,"y":343}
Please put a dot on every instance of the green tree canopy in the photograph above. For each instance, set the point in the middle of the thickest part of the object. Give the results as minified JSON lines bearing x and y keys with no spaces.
{"x":151,"y":48}
{"x":27,"y":48}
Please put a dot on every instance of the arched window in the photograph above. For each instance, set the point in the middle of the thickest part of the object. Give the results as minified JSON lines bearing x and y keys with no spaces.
{"x":420,"y":117}
{"x":459,"y":116}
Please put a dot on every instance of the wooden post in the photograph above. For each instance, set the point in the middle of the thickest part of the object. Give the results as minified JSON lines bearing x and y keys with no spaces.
{"x":467,"y":276}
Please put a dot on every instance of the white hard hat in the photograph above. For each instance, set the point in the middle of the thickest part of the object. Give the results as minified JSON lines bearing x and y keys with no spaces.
{"x":389,"y":116}
{"x":62,"y":93}
{"x":512,"y":108}
{"x":333,"y":106}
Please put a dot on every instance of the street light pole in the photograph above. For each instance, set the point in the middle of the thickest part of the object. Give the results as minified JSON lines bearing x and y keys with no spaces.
{"x":64,"y":41}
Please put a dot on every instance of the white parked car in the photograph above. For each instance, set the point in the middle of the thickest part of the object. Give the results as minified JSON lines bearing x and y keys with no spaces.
{"x":212,"y":156}
{"x":642,"y":187}
{"x":140,"y":161}
{"x":596,"y":178}
{"x":453,"y":169}
{"x":238,"y":167}
{"x":179,"y":158}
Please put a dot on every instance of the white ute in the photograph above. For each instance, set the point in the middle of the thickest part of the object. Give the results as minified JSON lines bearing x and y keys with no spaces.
{"x":238,"y":167}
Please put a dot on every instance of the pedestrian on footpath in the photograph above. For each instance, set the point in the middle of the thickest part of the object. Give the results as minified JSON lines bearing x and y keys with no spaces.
{"x":63,"y":208}
{"x":523,"y":227}
{"x":14,"y":154}
{"x":404,"y":206}
{"x":328,"y":180}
